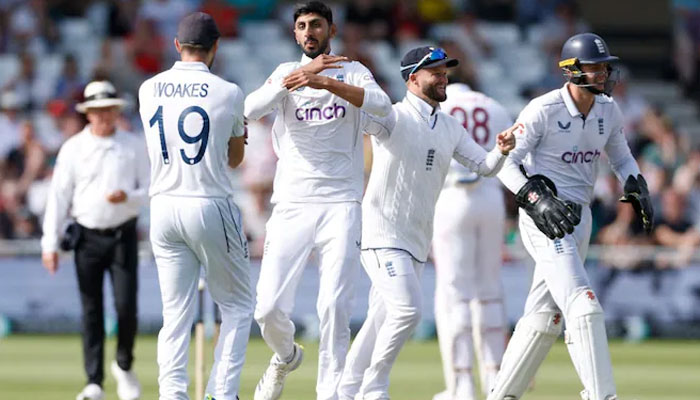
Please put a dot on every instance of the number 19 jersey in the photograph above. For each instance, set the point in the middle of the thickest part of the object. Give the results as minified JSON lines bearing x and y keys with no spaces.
{"x":189,"y":115}
{"x":483,"y":117}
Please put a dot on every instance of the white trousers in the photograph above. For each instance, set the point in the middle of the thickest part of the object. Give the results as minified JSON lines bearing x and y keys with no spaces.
{"x":467,"y":243}
{"x":395,"y":303}
{"x":560,"y":284}
{"x":186,"y":233}
{"x":294,"y":230}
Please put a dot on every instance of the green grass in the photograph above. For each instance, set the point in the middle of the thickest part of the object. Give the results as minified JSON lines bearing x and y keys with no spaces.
{"x":50,"y":368}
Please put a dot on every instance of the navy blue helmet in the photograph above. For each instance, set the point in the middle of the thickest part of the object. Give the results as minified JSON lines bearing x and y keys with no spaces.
{"x":587,"y":48}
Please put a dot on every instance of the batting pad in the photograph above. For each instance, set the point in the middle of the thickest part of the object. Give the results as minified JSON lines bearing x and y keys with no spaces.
{"x":587,"y":342}
{"x":533,"y":337}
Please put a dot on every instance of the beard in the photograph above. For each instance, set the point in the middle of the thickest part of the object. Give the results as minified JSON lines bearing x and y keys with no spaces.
{"x":433,"y":93}
{"x":320,"y":49}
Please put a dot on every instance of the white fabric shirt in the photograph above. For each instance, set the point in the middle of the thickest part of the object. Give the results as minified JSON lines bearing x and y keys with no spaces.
{"x":89,"y":168}
{"x":556,"y":141}
{"x":412,"y":148}
{"x":317,"y":135}
{"x":189,"y":115}
{"x":483,"y":117}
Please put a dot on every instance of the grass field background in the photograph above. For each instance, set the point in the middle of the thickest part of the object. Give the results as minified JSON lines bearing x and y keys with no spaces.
{"x":50,"y":368}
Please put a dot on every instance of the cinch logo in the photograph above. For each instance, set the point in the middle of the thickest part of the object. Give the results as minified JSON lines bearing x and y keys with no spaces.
{"x":320,"y":114}
{"x":580,"y":157}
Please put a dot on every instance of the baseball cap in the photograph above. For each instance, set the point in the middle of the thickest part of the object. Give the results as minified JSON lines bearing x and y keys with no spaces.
{"x":198,"y":29}
{"x":425,"y":57}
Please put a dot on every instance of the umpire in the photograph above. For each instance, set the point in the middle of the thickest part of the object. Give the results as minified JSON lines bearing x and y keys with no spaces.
{"x":100,"y":181}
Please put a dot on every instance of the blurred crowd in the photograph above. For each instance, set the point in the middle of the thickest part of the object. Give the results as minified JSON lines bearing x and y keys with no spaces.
{"x":49,"y":49}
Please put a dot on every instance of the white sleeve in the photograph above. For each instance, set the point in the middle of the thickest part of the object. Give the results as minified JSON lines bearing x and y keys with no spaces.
{"x":379,"y":127}
{"x":58,"y":202}
{"x":375,"y":101}
{"x":531,"y":129}
{"x":266,"y":98}
{"x":618,"y":151}
{"x":474,"y":157}
{"x":139,"y":194}
{"x":238,"y":108}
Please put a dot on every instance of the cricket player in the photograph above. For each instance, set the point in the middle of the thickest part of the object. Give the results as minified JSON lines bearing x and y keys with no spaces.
{"x":320,"y":101}
{"x":467,"y":242}
{"x":412,"y":149}
{"x":561,"y":137}
{"x":195,"y":132}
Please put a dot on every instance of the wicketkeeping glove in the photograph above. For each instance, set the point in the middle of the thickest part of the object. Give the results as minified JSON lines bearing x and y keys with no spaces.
{"x":552,"y":215}
{"x":637,"y":194}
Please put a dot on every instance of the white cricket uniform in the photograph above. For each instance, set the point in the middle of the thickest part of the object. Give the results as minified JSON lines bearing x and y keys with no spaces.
{"x":467,"y":243}
{"x":317,"y":192}
{"x":189,"y":115}
{"x":412,"y":149}
{"x":555,"y":140}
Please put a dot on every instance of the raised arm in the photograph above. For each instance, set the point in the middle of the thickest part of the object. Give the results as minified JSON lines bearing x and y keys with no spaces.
{"x":361,"y":90}
{"x":478,"y":160}
{"x":266,"y":98}
{"x":530,"y":130}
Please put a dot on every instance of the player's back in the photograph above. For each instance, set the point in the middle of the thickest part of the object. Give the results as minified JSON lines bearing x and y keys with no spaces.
{"x":483,"y":117}
{"x":189,"y":115}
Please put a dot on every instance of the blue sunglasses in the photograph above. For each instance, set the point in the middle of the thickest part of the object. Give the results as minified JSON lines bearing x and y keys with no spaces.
{"x":435,"y":55}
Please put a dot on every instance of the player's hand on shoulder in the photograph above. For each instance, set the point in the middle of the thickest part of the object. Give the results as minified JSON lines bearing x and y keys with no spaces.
{"x":506,"y":140}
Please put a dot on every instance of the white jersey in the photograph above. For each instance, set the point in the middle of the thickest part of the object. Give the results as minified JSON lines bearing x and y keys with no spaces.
{"x":483,"y":117}
{"x":316,"y":134}
{"x":412,"y":149}
{"x":189,"y":115}
{"x":556,"y":141}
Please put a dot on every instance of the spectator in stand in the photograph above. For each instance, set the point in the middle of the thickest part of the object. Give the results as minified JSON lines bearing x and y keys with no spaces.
{"x":633,"y":107}
{"x":31,"y":28}
{"x":166,"y":14}
{"x":121,"y":17}
{"x":675,"y":229}
{"x":476,"y":46}
{"x":409,"y":26}
{"x":26,"y":161}
{"x":666,"y":149}
{"x":465,"y":72}
{"x":368,"y":20}
{"x":10,"y":119}
{"x":564,"y":23}
{"x":435,"y":11}
{"x":145,"y":48}
{"x":70,"y":85}
{"x":28,"y":84}
{"x":224,"y":14}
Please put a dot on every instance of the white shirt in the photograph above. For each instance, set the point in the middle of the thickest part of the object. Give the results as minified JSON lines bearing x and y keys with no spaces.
{"x":197,"y":113}
{"x":483,"y":117}
{"x":412,"y":148}
{"x":89,"y":168}
{"x":316,"y":134}
{"x":556,"y":141}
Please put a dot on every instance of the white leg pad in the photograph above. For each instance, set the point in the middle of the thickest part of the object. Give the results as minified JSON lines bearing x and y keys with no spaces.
{"x":490,"y":338}
{"x":587,"y":342}
{"x":533,"y":338}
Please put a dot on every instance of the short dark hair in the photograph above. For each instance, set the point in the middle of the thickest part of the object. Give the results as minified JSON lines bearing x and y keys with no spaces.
{"x":314,"y":7}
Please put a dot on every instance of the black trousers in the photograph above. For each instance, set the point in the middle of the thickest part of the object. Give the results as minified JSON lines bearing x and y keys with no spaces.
{"x":114,"y":250}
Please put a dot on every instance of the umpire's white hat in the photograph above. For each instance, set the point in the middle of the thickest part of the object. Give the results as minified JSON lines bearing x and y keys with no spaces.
{"x":100,"y":94}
